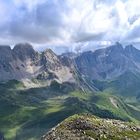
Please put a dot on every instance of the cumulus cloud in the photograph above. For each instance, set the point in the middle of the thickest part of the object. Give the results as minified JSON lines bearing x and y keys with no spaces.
{"x":69,"y":21}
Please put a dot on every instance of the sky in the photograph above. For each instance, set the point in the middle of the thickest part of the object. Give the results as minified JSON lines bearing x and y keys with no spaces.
{"x":69,"y":24}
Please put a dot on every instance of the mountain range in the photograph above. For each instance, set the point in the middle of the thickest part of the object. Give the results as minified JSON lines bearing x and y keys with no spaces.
{"x":109,"y":63}
{"x":23,"y":62}
{"x":38,"y":90}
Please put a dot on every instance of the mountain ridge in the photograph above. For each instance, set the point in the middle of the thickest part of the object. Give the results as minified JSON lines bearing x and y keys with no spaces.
{"x":88,"y":127}
{"x":23,"y":62}
{"x":108,"y":63}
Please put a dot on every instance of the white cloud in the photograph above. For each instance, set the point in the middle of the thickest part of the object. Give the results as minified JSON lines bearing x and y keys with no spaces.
{"x":66,"y":21}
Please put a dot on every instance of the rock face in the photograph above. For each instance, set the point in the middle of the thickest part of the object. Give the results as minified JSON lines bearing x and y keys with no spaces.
{"x":87,"y":127}
{"x":108,"y":63}
{"x":24,"y":52}
{"x":23,"y":62}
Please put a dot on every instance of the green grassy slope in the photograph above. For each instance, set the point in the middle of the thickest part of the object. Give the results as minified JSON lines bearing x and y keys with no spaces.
{"x":126,"y":86}
{"x":26,"y":114}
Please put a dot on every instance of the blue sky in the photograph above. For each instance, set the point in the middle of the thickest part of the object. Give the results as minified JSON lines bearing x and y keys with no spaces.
{"x":69,"y":22}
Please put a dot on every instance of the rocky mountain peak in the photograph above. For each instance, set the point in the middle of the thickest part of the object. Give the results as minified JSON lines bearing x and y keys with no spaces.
{"x":130,"y":49}
{"x":24,"y":51}
{"x":49,"y":54}
{"x":48,"y":50}
{"x":117,"y":48}
{"x":49,"y":57}
{"x":132,"y":52}
{"x":23,"y":47}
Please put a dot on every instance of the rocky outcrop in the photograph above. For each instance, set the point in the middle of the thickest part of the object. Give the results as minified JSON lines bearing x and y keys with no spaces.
{"x":23,"y":62}
{"x":24,"y":52}
{"x":87,"y":127}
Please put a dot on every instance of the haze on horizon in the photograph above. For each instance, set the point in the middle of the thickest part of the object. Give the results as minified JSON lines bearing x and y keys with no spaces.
{"x":69,"y":24}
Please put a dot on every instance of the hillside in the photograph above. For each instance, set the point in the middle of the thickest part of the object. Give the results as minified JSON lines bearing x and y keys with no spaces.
{"x":27,"y":111}
{"x":88,"y":127}
{"x":32,"y":102}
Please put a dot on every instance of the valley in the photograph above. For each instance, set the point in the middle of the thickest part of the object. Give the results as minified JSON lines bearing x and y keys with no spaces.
{"x":28,"y":114}
{"x":104,"y":83}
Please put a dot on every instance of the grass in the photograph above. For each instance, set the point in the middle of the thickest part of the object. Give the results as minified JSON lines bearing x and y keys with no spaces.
{"x":54,"y":105}
{"x":103,"y":101}
{"x":11,"y":133}
{"x":81,"y":95}
{"x":28,"y":114}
